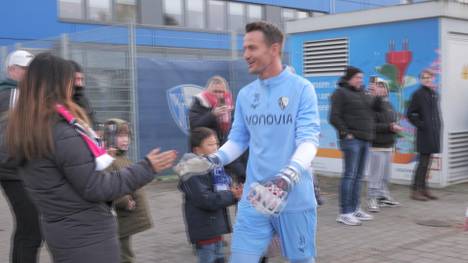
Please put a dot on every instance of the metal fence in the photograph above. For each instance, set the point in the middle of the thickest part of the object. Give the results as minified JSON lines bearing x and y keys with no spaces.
{"x":109,"y":55}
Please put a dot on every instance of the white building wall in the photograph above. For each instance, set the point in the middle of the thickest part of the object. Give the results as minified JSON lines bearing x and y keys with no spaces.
{"x":454,"y":98}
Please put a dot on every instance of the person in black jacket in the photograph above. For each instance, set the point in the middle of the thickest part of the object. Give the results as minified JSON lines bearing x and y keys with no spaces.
{"x":352,"y":115}
{"x":423,"y":112}
{"x":212,"y":109}
{"x":78,"y":91}
{"x":26,"y":237}
{"x":386,"y":129}
{"x":62,"y":166}
{"x":206,"y":198}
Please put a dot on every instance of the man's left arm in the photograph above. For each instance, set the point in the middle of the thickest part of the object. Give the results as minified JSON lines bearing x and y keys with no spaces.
{"x":269,"y":197}
{"x":307,"y":130}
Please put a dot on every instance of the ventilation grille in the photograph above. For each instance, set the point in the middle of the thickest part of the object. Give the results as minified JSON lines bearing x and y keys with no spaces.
{"x":327,"y":57}
{"x":458,"y":156}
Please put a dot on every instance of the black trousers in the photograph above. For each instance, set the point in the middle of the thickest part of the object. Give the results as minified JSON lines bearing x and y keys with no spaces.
{"x":26,"y":238}
{"x":420,"y":175}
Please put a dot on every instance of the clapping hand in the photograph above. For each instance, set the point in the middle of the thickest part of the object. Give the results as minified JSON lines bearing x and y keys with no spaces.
{"x":161,"y":160}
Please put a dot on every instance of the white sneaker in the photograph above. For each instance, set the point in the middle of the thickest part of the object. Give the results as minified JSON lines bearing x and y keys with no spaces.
{"x":348,"y":219}
{"x":373,"y":205}
{"x":363,"y":216}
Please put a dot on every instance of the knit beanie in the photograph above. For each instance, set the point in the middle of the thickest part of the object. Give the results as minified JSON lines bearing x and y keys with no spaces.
{"x":350,"y":72}
{"x":384,"y":83}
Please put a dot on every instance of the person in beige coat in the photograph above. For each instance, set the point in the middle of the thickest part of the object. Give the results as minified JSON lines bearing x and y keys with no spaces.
{"x":132,"y":210}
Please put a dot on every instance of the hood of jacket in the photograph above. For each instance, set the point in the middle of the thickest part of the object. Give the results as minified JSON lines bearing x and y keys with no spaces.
{"x":8,"y":84}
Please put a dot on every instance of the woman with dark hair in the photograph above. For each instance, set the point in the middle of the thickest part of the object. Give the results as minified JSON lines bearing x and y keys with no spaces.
{"x":62,"y":165}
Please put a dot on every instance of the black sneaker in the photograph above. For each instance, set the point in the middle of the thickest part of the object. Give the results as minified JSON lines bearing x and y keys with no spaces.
{"x":389,"y":202}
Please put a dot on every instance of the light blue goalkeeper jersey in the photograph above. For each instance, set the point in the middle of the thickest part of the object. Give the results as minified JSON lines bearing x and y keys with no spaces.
{"x":272,"y":117}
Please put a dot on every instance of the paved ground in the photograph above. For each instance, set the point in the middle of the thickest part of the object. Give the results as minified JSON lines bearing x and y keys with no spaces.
{"x":393,"y":237}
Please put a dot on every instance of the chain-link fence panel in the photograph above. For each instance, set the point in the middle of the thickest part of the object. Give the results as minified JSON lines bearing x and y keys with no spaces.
{"x":148,"y":75}
{"x":105,"y":55}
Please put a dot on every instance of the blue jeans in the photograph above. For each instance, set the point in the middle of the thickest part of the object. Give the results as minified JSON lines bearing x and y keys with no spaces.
{"x":211,"y":253}
{"x":355,"y":156}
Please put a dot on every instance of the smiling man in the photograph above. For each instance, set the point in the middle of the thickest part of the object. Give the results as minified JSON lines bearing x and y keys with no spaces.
{"x":277,"y":118}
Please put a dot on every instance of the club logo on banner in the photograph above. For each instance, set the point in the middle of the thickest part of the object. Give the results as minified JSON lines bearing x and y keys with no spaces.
{"x":179,"y":99}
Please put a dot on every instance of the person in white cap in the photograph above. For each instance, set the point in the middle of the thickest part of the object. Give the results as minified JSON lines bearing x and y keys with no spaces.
{"x":381,"y":151}
{"x":27,"y":237}
{"x":17,"y":63}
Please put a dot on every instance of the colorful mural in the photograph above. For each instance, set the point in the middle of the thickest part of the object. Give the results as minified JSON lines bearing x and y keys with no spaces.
{"x":396,"y":52}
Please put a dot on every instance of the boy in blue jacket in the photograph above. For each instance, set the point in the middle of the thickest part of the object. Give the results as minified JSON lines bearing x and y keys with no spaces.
{"x":206,"y":198}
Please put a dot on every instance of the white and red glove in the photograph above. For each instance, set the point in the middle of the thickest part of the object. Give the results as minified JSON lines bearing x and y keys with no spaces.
{"x":270,"y":196}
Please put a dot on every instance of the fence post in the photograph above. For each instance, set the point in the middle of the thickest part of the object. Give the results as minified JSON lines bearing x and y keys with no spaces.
{"x":233,"y":45}
{"x":3,"y":56}
{"x":133,"y":87}
{"x":233,"y":78}
{"x":332,"y":7}
{"x":64,"y":46}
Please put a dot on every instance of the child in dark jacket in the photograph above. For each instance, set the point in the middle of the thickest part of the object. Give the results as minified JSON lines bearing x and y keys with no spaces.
{"x":206,"y":198}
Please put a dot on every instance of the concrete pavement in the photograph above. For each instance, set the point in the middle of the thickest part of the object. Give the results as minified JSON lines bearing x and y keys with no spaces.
{"x":393,"y":237}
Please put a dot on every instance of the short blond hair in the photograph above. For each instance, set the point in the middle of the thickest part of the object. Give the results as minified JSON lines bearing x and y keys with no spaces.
{"x":217,"y":80}
{"x":430,"y":72}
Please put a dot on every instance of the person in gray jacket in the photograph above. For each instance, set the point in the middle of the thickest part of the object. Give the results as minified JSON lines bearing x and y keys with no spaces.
{"x":62,"y":166}
{"x":26,"y":237}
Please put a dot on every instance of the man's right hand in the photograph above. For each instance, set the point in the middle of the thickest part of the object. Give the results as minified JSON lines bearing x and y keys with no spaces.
{"x":161,"y":160}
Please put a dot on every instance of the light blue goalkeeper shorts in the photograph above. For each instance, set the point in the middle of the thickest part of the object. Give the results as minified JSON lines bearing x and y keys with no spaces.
{"x":253,"y":232}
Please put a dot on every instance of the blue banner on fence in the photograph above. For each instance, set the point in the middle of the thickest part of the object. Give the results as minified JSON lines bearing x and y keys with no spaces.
{"x":165,"y":90}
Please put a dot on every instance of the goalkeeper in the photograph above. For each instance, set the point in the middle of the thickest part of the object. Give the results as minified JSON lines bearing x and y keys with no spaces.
{"x":276,"y":116}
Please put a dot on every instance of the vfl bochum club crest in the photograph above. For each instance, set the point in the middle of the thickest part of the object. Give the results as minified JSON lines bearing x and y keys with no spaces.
{"x":179,"y":99}
{"x":283,"y":102}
